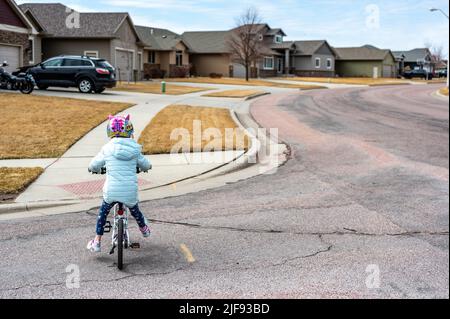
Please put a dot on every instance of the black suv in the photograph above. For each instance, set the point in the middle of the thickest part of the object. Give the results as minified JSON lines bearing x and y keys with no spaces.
{"x":85,"y":73}
{"x":423,"y":74}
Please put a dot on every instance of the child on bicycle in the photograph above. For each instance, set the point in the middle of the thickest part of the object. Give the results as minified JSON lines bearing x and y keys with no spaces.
{"x":121,"y":156}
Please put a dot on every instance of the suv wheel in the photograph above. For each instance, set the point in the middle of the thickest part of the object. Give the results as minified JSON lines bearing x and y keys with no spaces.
{"x":99,"y":91}
{"x":85,"y":86}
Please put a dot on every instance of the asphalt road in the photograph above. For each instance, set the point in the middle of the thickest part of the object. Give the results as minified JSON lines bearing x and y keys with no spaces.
{"x":359,"y":211}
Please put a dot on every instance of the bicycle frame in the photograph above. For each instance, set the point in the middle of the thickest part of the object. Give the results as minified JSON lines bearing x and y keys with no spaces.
{"x":121,"y":212}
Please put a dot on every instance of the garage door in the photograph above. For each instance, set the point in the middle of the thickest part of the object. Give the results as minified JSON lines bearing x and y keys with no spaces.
{"x":124,"y":65}
{"x":387,"y":71}
{"x":10,"y":54}
{"x":238,"y":70}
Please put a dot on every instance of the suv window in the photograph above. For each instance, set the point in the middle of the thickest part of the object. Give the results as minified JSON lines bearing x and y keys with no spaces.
{"x":103,"y":64}
{"x":76,"y":62}
{"x":54,"y":62}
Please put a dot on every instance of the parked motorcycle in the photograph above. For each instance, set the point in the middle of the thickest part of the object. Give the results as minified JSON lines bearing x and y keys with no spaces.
{"x":23,"y":82}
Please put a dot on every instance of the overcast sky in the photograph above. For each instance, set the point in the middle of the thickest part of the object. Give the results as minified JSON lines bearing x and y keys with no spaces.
{"x":397,"y":25}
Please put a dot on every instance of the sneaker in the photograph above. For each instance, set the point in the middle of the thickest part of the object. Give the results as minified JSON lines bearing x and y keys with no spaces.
{"x":145,"y":231}
{"x":94,"y":246}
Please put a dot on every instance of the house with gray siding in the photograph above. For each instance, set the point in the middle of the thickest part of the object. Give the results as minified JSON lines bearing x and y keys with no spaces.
{"x":111,"y":36}
{"x":366,"y":61}
{"x":312,"y":59}
{"x":420,"y":58}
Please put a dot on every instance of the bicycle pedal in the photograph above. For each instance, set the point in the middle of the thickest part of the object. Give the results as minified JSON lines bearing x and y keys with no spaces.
{"x":135,"y":246}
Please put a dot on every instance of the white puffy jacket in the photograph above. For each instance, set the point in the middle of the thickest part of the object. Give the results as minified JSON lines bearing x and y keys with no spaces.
{"x":120,"y":156}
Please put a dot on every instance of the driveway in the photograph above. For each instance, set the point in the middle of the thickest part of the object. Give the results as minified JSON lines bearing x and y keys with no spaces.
{"x":360,"y":210}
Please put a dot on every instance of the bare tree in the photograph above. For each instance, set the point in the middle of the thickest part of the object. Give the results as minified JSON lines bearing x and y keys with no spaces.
{"x":437,"y":51}
{"x":244,"y":42}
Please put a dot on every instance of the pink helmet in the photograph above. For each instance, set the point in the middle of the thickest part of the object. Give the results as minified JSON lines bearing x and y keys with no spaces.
{"x":120,"y":126}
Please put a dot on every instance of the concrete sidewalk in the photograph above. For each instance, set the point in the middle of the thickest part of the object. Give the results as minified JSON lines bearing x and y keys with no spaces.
{"x":68,"y":178}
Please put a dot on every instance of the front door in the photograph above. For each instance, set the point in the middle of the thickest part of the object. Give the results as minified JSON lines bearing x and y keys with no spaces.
{"x":280,"y":66}
{"x":375,"y":72}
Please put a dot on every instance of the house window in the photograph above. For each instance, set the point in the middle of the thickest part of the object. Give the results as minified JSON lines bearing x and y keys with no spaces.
{"x":268,"y":63}
{"x":318,"y":62}
{"x":152,"y":57}
{"x":329,"y":64}
{"x":278,"y":38}
{"x":91,"y":54}
{"x":31,"y":50}
{"x":179,"y":58}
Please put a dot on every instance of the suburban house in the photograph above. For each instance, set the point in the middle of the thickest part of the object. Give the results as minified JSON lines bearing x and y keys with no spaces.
{"x":276,"y":57}
{"x":441,"y":65}
{"x":111,"y":36}
{"x":210,"y":54}
{"x":312,"y":58}
{"x":165,"y":53}
{"x":18,"y":44}
{"x":365,"y":61}
{"x":415,"y":59}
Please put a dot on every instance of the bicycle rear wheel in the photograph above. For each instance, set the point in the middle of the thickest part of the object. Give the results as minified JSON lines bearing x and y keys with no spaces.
{"x":120,"y":232}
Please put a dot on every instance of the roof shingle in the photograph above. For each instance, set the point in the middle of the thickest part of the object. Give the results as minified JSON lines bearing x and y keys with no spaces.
{"x":308,"y":48}
{"x":158,"y":39}
{"x":413,"y":55}
{"x":53,"y":16}
{"x":212,"y":42}
{"x":364,"y":53}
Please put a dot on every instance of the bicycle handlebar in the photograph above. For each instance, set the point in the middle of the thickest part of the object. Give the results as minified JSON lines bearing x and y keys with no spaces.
{"x":103,"y":171}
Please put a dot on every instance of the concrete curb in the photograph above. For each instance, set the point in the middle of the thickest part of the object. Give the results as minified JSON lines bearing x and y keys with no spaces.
{"x":389,"y":84}
{"x":21,"y":207}
{"x":440,"y":95}
{"x":255,"y":96}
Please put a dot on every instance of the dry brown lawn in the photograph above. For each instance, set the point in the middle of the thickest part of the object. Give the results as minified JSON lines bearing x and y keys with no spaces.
{"x":156,"y":138}
{"x":444,"y":91}
{"x":155,"y":88}
{"x":14,"y":180}
{"x":235,"y":93}
{"x":45,"y":127}
{"x":354,"y":81}
{"x":252,"y":82}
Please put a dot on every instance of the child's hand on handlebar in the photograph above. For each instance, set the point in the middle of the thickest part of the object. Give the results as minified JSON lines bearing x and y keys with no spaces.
{"x":102,"y":171}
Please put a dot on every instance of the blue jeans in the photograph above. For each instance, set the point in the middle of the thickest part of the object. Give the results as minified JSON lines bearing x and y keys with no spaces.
{"x":104,"y":212}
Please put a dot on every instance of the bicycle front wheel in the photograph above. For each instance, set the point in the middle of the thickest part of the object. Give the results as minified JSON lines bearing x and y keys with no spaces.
{"x":120,"y":237}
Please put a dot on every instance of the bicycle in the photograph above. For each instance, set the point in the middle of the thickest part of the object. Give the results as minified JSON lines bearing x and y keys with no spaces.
{"x":120,"y":233}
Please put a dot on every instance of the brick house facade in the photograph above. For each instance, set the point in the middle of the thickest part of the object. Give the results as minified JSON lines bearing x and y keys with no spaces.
{"x":17,"y":35}
{"x":17,"y":39}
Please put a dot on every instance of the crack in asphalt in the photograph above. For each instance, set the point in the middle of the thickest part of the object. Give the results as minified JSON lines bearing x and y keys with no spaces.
{"x":130,"y":275}
{"x":316,"y":253}
{"x":347,"y":231}
{"x":328,"y":248}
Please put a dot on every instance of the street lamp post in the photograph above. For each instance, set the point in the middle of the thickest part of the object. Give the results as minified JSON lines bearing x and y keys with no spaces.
{"x":448,"y":56}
